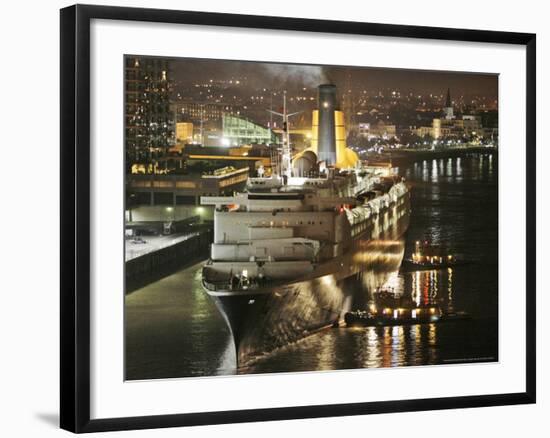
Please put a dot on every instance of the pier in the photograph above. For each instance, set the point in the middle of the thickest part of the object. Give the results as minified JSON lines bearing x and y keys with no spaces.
{"x":159,"y":256}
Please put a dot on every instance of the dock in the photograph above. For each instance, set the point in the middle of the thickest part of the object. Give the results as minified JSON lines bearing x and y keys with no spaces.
{"x":151,"y":258}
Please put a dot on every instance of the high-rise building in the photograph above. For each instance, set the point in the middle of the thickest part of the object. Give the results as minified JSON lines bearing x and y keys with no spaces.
{"x":149,"y":120}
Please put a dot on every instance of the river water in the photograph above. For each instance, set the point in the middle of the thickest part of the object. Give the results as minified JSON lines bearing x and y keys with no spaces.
{"x":172,"y":329}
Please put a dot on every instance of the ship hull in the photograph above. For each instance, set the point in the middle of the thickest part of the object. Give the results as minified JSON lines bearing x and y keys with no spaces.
{"x":264,"y":320}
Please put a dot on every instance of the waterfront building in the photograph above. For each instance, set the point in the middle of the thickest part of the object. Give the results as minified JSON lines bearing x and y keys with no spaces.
{"x":185,"y":189}
{"x":451,"y":126}
{"x":378,"y":130}
{"x":466,"y":125}
{"x":472,"y":125}
{"x":442,"y":127}
{"x":423,"y":131}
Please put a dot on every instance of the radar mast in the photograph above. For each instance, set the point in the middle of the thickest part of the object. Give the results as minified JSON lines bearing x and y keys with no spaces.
{"x":286,"y":164}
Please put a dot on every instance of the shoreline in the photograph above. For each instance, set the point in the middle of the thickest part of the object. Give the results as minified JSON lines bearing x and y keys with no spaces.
{"x":407,"y":157}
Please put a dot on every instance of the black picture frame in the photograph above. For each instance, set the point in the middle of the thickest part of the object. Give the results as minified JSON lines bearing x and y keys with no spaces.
{"x":75,"y":217}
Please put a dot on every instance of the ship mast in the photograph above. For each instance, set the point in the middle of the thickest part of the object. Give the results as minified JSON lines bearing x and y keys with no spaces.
{"x":286,"y":164}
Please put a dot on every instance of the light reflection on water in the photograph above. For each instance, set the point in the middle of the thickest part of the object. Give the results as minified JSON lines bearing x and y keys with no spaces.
{"x":370,"y":347}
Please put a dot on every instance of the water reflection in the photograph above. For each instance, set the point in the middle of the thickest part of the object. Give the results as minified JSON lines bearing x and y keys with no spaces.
{"x":375,"y":347}
{"x":435,"y":172}
{"x":378,"y":347}
{"x":450,"y":306}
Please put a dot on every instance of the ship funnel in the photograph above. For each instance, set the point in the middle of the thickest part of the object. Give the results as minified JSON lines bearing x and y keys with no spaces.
{"x":327,"y":104}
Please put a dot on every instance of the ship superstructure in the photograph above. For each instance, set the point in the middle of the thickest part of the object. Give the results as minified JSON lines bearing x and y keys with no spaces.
{"x":283,"y":249}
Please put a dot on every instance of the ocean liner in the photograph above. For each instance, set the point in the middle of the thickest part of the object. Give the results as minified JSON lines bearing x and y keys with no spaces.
{"x":287,"y":249}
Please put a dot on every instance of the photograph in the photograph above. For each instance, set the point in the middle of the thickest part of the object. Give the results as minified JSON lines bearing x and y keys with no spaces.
{"x":284,"y":218}
{"x":274,"y":219}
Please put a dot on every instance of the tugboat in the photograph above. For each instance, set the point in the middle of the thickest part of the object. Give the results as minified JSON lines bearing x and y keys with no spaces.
{"x":428,"y":256}
{"x":389,"y":316}
{"x":388,"y":297}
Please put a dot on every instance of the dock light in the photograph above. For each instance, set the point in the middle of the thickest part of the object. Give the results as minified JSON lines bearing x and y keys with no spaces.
{"x":200,"y":210}
{"x":325,"y":104}
{"x":169,"y":209}
{"x":395,"y":314}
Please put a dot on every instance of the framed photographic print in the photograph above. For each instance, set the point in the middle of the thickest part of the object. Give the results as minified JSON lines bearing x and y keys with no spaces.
{"x":273,"y":218}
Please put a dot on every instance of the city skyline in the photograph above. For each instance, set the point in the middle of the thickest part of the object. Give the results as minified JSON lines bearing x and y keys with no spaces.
{"x":173,"y":102}
{"x":257,"y":75}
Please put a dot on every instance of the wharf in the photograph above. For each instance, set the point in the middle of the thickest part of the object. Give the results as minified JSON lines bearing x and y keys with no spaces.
{"x":160,"y":256}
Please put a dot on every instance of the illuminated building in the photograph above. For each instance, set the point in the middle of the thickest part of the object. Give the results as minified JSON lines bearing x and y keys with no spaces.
{"x":149,"y":121}
{"x":458,"y":127}
{"x":237,"y":131}
{"x":423,"y":131}
{"x":451,"y":126}
{"x":377,"y":130}
{"x":177,"y":189}
{"x":198,"y":112}
{"x":472,"y":124}
{"x":184,"y":132}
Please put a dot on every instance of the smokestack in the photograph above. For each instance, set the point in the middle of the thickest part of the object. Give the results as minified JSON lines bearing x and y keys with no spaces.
{"x":326,"y":149}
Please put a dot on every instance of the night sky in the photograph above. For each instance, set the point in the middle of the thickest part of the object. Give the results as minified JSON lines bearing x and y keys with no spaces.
{"x":293,"y":76}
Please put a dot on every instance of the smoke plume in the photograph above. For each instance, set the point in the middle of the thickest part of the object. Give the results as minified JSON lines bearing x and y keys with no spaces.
{"x":304,"y":75}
